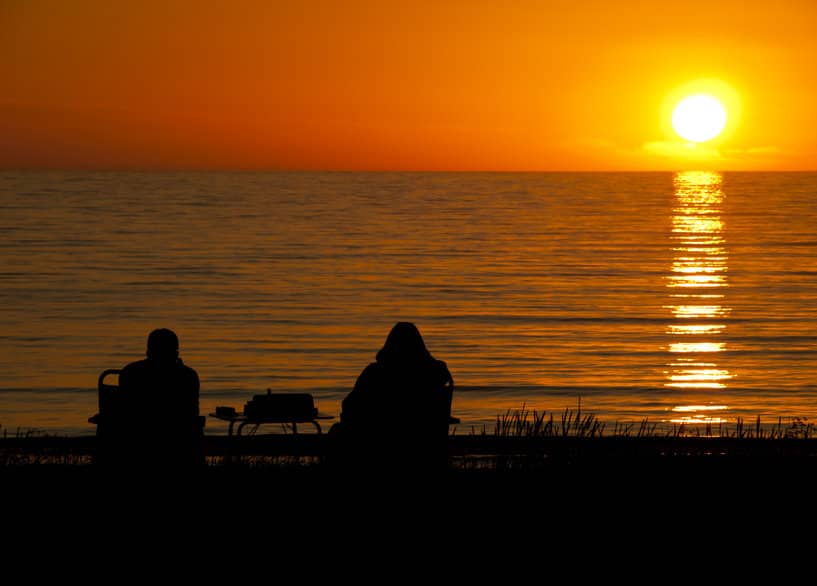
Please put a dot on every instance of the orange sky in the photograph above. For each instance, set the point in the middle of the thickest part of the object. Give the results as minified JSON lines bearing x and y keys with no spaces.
{"x":420,"y":85}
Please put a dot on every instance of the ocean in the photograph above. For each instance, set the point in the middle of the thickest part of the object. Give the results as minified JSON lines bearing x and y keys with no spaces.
{"x":685,"y":297}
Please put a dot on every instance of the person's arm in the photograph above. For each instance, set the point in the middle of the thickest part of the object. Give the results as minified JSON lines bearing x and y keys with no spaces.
{"x":351,"y":405}
{"x":447,"y":387}
{"x":126,"y":377}
{"x":194,"y":393}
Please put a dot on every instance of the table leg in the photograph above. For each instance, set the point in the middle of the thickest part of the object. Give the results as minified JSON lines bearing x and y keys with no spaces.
{"x":228,"y":453}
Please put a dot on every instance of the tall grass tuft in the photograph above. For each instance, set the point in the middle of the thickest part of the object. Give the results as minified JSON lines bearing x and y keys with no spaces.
{"x":533,"y":423}
{"x":526,"y":423}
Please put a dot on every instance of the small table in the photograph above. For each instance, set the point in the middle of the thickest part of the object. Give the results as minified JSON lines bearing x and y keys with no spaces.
{"x":243,"y":420}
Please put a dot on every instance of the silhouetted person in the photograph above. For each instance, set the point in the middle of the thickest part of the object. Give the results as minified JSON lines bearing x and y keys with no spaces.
{"x":399,"y":409}
{"x":160,"y":398}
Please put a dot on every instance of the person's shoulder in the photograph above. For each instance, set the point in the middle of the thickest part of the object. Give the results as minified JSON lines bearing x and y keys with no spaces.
{"x":134,"y":374}
{"x":183,"y":367}
{"x":371,"y":372}
{"x":440,"y":369}
{"x":374,"y":367}
{"x":187,"y":373}
{"x":133,"y":367}
{"x":136,"y":364}
{"x":439,"y":365}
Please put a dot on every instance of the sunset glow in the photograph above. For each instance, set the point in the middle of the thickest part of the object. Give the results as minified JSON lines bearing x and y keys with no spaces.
{"x":426,"y":85}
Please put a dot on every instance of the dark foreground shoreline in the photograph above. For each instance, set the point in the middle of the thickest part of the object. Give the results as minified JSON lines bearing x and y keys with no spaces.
{"x":478,"y":454}
{"x":513,"y":483}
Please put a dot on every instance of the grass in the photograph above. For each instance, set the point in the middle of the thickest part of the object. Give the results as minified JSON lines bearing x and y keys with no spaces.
{"x":529,"y":440}
{"x":521,"y":439}
{"x":524,"y":422}
{"x":34,"y":447}
{"x":20,"y":432}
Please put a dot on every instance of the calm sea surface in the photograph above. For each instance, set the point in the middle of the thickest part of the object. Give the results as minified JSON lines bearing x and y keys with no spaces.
{"x":677,"y":297}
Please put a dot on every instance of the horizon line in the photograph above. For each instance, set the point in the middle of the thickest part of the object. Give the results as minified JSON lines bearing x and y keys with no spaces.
{"x":374,"y":171}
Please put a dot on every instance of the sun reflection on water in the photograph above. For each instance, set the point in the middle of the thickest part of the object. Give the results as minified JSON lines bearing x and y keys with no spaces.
{"x":696,"y":329}
{"x":698,"y":414}
{"x":699,"y":268}
{"x":687,"y":347}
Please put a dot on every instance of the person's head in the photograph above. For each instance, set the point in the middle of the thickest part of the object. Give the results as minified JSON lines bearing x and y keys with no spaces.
{"x":404,"y":345}
{"x":163,"y":345}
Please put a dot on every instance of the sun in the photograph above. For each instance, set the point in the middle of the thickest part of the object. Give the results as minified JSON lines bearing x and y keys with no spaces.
{"x":699,"y":118}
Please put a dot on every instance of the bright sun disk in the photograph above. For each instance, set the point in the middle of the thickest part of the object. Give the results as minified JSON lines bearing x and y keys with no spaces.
{"x":699,"y":118}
